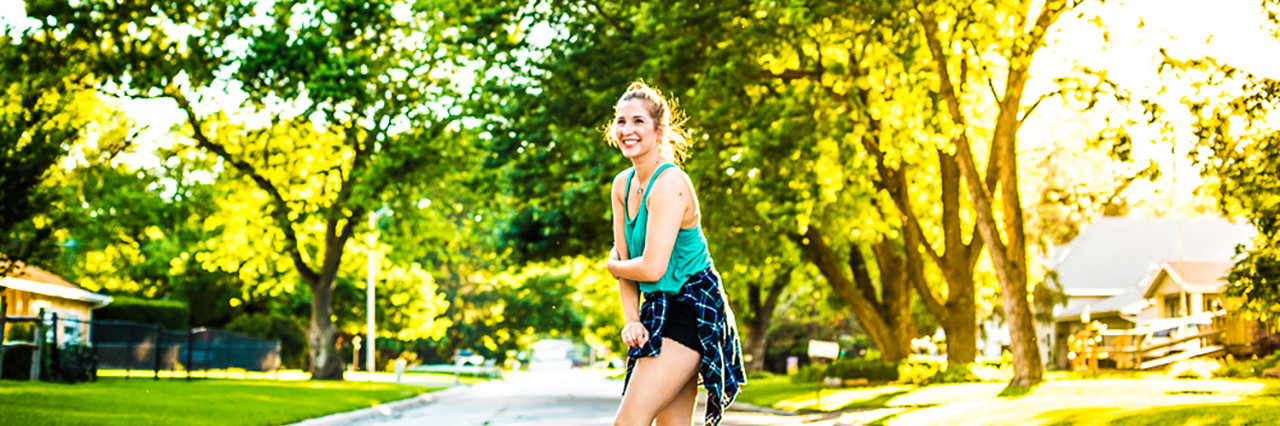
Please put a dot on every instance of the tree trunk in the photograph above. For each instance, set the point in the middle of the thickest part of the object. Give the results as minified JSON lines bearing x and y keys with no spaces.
{"x":895,"y":289}
{"x":326,"y":363}
{"x":887,"y":321}
{"x":760,"y":317}
{"x":1007,"y":246}
{"x":961,"y":323}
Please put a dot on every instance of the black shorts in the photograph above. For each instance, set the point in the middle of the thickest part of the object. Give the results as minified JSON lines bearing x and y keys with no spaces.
{"x":682,"y":326}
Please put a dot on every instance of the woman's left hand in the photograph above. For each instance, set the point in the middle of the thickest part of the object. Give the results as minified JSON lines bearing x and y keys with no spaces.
{"x":634,"y":334}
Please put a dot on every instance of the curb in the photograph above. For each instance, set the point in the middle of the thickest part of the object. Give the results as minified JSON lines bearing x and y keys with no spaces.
{"x":379,"y":412}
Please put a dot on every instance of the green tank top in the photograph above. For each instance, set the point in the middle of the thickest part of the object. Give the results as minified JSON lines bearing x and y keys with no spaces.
{"x":689,"y":255}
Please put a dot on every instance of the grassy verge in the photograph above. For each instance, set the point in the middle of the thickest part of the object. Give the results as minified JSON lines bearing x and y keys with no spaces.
{"x":112,"y":401}
{"x":1102,"y":401}
{"x":767,"y":392}
{"x":1119,"y":399}
{"x":780,"y":393}
{"x":295,"y":375}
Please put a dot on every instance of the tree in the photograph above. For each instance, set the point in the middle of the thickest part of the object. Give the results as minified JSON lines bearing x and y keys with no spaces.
{"x":47,"y":109}
{"x":543,"y":120}
{"x":1012,"y":32}
{"x":356,"y":99}
{"x":1238,"y":150}
{"x":767,"y":158}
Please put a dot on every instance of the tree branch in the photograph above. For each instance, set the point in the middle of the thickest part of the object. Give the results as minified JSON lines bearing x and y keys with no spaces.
{"x":281,"y":207}
{"x":600,"y":11}
{"x":785,"y":75}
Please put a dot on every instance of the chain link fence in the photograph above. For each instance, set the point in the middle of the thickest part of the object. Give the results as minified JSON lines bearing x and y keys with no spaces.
{"x":74,"y":350}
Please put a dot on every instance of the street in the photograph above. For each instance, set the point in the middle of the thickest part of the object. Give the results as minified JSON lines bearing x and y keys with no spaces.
{"x":555,"y":397}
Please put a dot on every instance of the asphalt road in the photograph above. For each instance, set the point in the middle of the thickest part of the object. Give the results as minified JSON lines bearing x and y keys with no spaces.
{"x":557,"y":397}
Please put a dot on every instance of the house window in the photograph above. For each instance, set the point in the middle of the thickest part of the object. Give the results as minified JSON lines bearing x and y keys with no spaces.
{"x":1213,"y":302}
{"x":1173,"y":306}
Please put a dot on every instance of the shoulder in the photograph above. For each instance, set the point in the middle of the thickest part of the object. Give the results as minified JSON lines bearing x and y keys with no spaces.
{"x":673,"y":181}
{"x":620,"y":181}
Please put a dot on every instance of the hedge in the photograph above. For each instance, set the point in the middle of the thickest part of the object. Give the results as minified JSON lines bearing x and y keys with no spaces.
{"x":171,"y":314}
{"x":871,"y":369}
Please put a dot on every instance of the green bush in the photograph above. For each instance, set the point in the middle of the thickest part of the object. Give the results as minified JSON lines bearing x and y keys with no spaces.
{"x":954,"y":374}
{"x":78,"y":363}
{"x":871,"y":369}
{"x":1236,"y":370}
{"x":759,"y":375}
{"x":17,"y":362}
{"x":20,"y":332}
{"x":171,"y":314}
{"x":1247,"y":369}
{"x":811,"y":373}
{"x":919,"y":372}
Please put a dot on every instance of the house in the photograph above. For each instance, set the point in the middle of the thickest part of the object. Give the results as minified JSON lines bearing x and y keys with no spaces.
{"x":1181,"y":289}
{"x":28,"y":289}
{"x":1126,"y":272}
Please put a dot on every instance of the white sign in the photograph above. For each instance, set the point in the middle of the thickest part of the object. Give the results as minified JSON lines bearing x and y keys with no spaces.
{"x":821,"y":349}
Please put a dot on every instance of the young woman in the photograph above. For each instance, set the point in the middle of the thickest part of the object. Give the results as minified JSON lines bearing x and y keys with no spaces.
{"x":684,"y":330}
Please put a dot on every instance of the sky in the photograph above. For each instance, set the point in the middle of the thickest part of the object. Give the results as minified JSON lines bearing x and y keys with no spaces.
{"x":1233,"y":31}
{"x":1230,"y":30}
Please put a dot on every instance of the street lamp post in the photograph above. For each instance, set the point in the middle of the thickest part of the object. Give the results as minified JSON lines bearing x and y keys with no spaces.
{"x":369,"y":288}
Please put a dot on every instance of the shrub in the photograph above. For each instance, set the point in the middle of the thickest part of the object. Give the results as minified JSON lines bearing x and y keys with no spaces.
{"x":1194,"y":369}
{"x":17,"y":362}
{"x":759,"y":375}
{"x":1246,"y":369}
{"x":870,"y":369}
{"x":170,"y":314}
{"x":21,"y":332}
{"x":992,"y":373}
{"x":919,"y":372}
{"x":78,"y":363}
{"x":1268,"y":363}
{"x":811,"y":373}
{"x":954,"y":374}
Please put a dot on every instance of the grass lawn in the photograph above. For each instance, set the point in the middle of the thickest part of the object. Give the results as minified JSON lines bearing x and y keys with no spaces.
{"x":1131,"y":402}
{"x":294,"y":375}
{"x":111,"y":401}
{"x":1106,"y":400}
{"x":766,"y":392}
{"x":780,"y":393}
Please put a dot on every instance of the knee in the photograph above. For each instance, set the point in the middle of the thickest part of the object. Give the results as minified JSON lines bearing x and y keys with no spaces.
{"x":626,"y":422}
{"x":630,"y":418}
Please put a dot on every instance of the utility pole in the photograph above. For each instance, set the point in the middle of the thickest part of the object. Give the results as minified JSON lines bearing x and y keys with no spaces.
{"x":369,"y":305}
{"x":370,"y":340}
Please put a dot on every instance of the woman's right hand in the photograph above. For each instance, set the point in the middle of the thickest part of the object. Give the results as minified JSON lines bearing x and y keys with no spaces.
{"x":634,"y":334}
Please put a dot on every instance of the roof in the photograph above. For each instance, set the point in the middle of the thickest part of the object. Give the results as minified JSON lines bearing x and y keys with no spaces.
{"x":1129,"y":303}
{"x":1195,"y":276}
{"x":35,"y":280}
{"x":1201,"y":273}
{"x":1115,"y":254}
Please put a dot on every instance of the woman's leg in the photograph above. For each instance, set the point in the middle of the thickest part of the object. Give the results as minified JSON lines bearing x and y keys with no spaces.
{"x":680,"y":411}
{"x":655,"y":382}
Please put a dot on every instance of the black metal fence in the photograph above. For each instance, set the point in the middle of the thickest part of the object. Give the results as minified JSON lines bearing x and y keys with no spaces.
{"x":71,"y":349}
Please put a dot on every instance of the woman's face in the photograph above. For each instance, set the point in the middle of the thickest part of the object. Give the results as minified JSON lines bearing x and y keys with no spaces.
{"x":634,"y":129}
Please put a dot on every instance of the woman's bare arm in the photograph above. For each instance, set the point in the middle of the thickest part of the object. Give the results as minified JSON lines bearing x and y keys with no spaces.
{"x":628,"y":290}
{"x":668,"y":201}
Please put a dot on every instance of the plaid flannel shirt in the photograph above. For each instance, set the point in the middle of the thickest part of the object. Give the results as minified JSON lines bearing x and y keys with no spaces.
{"x":721,"y":369}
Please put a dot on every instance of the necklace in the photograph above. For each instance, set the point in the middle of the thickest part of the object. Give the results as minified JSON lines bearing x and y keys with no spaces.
{"x":640,"y":188}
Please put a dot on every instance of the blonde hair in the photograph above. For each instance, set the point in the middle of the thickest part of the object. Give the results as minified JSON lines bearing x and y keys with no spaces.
{"x":667,"y":118}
